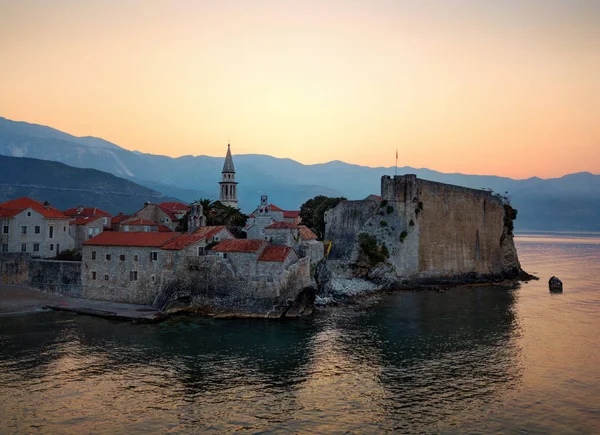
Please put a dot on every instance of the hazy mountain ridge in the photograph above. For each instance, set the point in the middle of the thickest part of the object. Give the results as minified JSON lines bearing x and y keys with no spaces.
{"x":66,"y":186}
{"x":569,"y":202}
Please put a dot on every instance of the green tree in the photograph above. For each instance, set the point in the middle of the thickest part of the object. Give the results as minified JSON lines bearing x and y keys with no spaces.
{"x":208,"y":208}
{"x":312,"y":213}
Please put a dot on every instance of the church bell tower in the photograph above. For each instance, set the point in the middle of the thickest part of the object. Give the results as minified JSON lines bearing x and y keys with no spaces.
{"x":228,"y":185}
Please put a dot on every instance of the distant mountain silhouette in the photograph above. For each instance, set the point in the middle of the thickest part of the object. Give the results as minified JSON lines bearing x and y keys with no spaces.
{"x":65,"y":186}
{"x":571,"y":202}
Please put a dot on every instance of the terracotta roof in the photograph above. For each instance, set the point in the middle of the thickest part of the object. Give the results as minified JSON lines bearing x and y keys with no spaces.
{"x":275,"y":253}
{"x":168,"y":212}
{"x":240,"y":245}
{"x":373,"y":196}
{"x":83,"y":220}
{"x":275,"y":208}
{"x":138,"y":221}
{"x":306,"y":233}
{"x":175,"y":206}
{"x":118,"y":238}
{"x":201,"y":233}
{"x":120,"y":218}
{"x":16,"y":206}
{"x":291,"y":213}
{"x":86,"y":211}
{"x":281,"y":225}
{"x":164,"y":229}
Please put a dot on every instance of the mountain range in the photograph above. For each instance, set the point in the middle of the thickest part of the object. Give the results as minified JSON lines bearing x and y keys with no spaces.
{"x":65,"y":187}
{"x":571,"y":202}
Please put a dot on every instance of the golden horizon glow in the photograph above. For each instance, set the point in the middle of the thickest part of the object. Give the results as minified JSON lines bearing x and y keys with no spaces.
{"x":500,"y":88}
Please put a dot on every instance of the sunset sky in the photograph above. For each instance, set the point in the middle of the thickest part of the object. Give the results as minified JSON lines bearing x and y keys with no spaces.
{"x":504,"y":87}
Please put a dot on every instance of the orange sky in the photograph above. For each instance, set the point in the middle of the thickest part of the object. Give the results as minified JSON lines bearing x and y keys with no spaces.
{"x":505,"y":87}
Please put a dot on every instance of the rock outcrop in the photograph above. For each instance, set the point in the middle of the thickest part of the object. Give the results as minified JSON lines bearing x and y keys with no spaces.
{"x":420,"y":233}
{"x":555,"y":284}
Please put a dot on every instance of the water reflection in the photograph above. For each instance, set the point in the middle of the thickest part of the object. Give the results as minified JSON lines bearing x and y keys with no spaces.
{"x":410,"y":360}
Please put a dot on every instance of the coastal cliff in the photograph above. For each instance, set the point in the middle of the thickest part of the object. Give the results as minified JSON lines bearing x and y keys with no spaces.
{"x":418,"y":233}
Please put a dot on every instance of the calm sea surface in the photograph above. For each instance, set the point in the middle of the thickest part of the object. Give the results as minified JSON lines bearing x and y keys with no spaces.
{"x":476,"y":360}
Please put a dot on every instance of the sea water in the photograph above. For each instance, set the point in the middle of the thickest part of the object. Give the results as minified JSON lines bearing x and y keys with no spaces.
{"x":485,"y":359}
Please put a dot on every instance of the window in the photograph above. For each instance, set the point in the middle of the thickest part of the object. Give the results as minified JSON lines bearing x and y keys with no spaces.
{"x":36,"y":247}
{"x":51,"y":232}
{"x":133,"y":275}
{"x":93,"y":255}
{"x":147,"y":229}
{"x":94,"y":276}
{"x":5,"y":247}
{"x":96,"y":231}
{"x":108,"y":257}
{"x":153,"y":256}
{"x":153,"y":278}
{"x":122,"y":257}
{"x":23,"y":229}
{"x":135,"y":257}
{"x":105,"y":277}
{"x":37,"y":229}
{"x":28,"y":213}
{"x":200,"y":251}
{"x":126,"y":227}
{"x":23,"y":247}
{"x":90,"y":232}
{"x":104,"y":221}
{"x":5,"y":229}
{"x":52,"y":246}
{"x":64,"y":229}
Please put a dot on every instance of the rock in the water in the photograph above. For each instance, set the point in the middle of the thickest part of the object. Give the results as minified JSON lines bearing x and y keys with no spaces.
{"x":555,"y":284}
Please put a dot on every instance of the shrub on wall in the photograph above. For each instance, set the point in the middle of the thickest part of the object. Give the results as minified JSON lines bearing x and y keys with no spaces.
{"x":368,"y":246}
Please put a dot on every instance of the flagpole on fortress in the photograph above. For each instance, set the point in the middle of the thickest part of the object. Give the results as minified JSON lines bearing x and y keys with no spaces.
{"x":396,"y":168}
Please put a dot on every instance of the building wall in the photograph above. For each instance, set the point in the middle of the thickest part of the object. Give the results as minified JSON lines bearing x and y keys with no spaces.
{"x":48,"y":247}
{"x":153,"y":213}
{"x":283,"y":236}
{"x":119,"y":287}
{"x":81,"y":233}
{"x":448,"y":230}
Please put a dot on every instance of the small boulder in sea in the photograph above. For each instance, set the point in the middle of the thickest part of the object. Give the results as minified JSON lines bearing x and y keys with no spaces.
{"x":555,"y":284}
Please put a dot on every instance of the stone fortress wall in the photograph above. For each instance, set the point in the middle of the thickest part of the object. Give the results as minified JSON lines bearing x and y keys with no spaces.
{"x":430,"y":230}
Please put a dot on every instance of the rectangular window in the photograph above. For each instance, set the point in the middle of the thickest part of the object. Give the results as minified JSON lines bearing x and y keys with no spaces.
{"x":37,"y":229}
{"x":108,"y":257}
{"x":23,"y":247}
{"x":153,"y":278}
{"x":23,"y":229}
{"x":5,"y":247}
{"x":51,"y":232}
{"x":93,"y":255}
{"x":200,"y":251}
{"x":64,"y":229}
{"x":122,"y":257}
{"x":133,"y":275}
{"x":28,"y":213}
{"x":105,"y":277}
{"x":36,"y":247}
{"x":153,"y":256}
{"x":94,"y":276}
{"x":5,"y":229}
{"x":52,"y":246}
{"x":135,"y":257}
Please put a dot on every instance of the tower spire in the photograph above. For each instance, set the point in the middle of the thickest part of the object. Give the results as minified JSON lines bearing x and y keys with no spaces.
{"x":228,"y":185}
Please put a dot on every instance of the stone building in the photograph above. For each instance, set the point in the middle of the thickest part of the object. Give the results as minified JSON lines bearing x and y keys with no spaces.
{"x":429,"y":231}
{"x":138,"y":225}
{"x":28,"y":226}
{"x":87,"y":222}
{"x":267,"y":214}
{"x":166,"y":213}
{"x":228,"y":185}
{"x":299,"y":237}
{"x":133,"y":266}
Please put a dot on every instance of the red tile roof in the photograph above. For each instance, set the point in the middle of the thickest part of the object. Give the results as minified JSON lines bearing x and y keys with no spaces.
{"x":138,"y":221}
{"x":240,"y":245}
{"x":86,"y":211}
{"x":275,"y":208}
{"x":306,"y":233}
{"x":201,"y":233}
{"x":164,"y":229}
{"x":118,"y":238}
{"x":120,"y":218}
{"x":168,"y":212}
{"x":275,"y":253}
{"x":281,"y":225}
{"x":291,"y":213}
{"x":175,"y":206}
{"x":83,"y":220}
{"x":16,"y":206}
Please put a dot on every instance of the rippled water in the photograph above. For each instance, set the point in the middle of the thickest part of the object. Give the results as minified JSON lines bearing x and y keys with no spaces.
{"x":478,"y":359}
